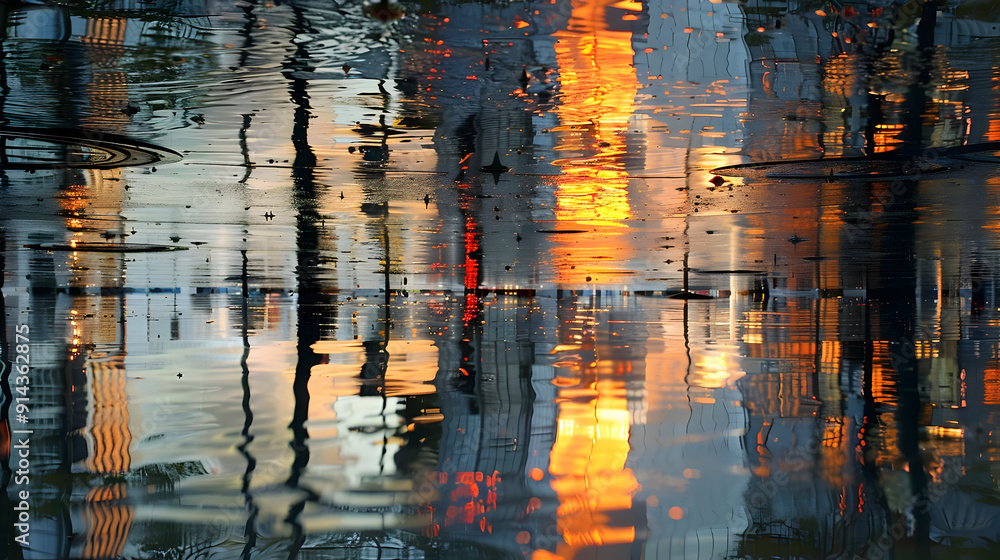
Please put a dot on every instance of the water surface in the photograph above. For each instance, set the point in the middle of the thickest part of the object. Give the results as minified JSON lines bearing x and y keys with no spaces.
{"x":550,"y":279}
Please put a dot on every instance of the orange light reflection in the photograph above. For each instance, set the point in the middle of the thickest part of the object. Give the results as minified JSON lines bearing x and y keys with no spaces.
{"x":588,"y":457}
{"x":598,"y":93}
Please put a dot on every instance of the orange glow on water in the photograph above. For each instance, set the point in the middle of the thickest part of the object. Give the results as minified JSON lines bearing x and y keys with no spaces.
{"x":598,"y":94}
{"x":412,"y":365}
{"x":471,"y":272}
{"x":472,"y":496}
{"x":588,"y":468}
{"x":587,"y":463}
{"x":991,"y":386}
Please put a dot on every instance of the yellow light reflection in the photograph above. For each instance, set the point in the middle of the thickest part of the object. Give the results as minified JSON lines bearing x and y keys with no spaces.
{"x":587,"y":462}
{"x":598,"y":93}
{"x":412,"y":365}
{"x":715,"y":369}
{"x":588,"y":468}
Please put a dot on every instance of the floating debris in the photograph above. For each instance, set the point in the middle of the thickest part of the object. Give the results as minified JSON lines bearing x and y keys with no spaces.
{"x":831,"y":168}
{"x":496,"y":168}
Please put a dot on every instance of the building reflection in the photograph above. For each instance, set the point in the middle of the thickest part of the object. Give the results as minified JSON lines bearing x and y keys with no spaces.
{"x":596,"y":103}
{"x":536,"y":461}
{"x":594,"y":487}
{"x":101,"y":344}
{"x":843,"y":386}
{"x":535,"y":458}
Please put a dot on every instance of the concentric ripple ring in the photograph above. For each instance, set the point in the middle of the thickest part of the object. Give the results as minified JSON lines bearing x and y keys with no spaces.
{"x":61,"y":148}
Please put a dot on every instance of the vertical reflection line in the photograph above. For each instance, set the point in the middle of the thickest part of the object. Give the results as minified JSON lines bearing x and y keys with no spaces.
{"x":685,"y":317}
{"x":384,"y":353}
{"x":247,"y":32}
{"x":388,"y":256}
{"x":303,"y":183}
{"x":248,"y":27}
{"x":245,"y":150}
{"x":869,"y":468}
{"x":817,"y":335}
{"x":250,"y":532}
{"x":687,"y":371}
{"x":916,"y":106}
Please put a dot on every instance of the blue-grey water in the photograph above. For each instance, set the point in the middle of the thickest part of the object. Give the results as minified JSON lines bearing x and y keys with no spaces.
{"x":487,"y":279}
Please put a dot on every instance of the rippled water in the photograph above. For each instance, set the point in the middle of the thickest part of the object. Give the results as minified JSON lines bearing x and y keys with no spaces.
{"x":547,"y":279}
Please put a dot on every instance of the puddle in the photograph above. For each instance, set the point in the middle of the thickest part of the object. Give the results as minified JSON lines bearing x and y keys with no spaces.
{"x":550,"y":279}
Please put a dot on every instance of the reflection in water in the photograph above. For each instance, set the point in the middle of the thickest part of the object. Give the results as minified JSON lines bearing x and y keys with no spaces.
{"x":594,"y":109}
{"x":588,"y":457}
{"x":587,"y":460}
{"x":373,"y":345}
